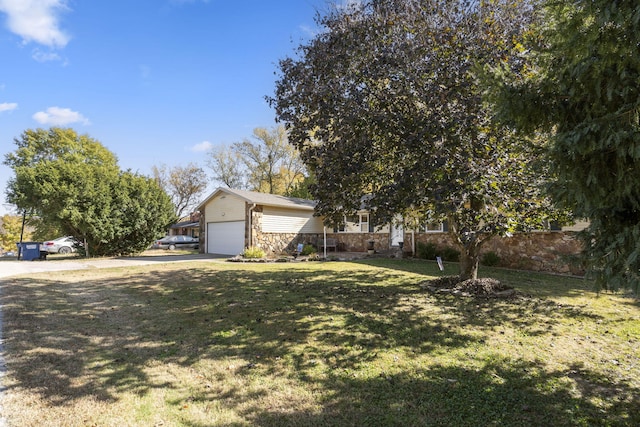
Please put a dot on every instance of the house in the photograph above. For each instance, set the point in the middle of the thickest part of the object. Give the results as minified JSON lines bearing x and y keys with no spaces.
{"x":232,"y":220}
{"x":186,"y":226}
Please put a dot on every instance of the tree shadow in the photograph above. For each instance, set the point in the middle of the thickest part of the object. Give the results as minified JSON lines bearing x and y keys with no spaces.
{"x":74,"y":338}
{"x":504,"y":392}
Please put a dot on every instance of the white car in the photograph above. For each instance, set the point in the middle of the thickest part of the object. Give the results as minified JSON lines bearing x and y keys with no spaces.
{"x":61,"y":245}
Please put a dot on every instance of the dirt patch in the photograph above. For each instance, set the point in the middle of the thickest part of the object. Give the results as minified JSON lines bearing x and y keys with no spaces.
{"x":483,"y":288}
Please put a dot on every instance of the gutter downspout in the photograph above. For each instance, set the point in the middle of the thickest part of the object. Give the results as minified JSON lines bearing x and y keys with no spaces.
{"x":251,"y":208}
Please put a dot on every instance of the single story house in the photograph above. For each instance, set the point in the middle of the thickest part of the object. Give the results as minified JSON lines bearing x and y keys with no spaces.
{"x":232,"y":220}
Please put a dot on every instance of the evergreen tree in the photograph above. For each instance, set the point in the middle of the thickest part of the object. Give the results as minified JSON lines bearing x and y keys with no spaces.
{"x":74,"y":184}
{"x":583,"y":87}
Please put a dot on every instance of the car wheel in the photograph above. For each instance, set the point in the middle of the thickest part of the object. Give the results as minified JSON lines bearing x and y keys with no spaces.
{"x":172,"y":247}
{"x":64,"y":250}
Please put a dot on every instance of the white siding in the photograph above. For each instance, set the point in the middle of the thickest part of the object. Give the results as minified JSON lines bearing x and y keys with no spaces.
{"x":225,"y":208}
{"x":277,"y":220}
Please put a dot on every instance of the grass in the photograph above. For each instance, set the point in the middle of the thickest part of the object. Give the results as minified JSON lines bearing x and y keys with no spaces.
{"x":314,"y":344}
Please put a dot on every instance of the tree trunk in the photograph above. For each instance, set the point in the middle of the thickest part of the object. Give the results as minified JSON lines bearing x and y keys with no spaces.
{"x":469,"y":260}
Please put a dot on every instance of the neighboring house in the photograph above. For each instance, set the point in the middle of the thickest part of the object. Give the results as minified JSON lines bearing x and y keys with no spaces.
{"x":186,"y":226}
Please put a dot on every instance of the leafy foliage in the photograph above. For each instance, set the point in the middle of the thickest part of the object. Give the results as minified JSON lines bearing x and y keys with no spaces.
{"x":253,"y":252}
{"x":73,"y":183}
{"x":184,"y":184}
{"x":426,"y":250}
{"x":226,"y":165}
{"x":450,"y":254}
{"x":386,"y":107}
{"x":10,"y":229}
{"x":583,"y":84}
{"x":308,"y":250}
{"x":268,"y":163}
{"x":490,"y":259}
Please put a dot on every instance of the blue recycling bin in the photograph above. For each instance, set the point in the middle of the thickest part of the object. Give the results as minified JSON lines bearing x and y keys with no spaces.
{"x":28,"y":251}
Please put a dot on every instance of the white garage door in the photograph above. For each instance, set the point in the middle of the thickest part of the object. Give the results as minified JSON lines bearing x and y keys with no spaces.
{"x":225,"y":238}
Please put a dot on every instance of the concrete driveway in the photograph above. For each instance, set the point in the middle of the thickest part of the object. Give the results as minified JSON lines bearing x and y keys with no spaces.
{"x":14,"y":268}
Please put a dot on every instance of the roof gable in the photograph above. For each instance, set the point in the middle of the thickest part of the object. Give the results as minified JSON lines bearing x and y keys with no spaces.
{"x":263,"y":199}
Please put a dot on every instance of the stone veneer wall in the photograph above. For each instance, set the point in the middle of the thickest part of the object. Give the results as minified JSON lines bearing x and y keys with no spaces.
{"x":357,"y":242}
{"x":279,"y":243}
{"x":538,"y":251}
{"x":202,"y":235}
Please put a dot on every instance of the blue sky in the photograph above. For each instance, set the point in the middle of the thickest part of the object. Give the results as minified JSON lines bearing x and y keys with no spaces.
{"x":155,"y":81}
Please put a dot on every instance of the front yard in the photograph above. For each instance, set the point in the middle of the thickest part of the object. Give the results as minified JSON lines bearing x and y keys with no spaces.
{"x":314,"y":344}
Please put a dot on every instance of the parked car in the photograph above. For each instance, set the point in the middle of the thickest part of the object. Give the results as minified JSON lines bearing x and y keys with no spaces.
{"x":61,"y":245}
{"x":177,"y":242}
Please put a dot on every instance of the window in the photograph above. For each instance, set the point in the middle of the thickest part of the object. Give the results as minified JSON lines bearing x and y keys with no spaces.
{"x":434,"y":227}
{"x":355,"y":224}
{"x":364,"y":223}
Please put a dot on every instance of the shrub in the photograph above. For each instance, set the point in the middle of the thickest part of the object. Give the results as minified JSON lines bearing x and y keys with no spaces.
{"x":308,"y":250}
{"x":253,"y":253}
{"x":490,"y":259}
{"x":426,"y":251}
{"x":450,"y":254}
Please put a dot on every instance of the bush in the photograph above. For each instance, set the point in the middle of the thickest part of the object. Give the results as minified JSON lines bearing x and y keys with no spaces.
{"x":253,"y":253}
{"x":308,"y":250}
{"x":450,"y":254}
{"x":490,"y":259}
{"x":426,"y":251}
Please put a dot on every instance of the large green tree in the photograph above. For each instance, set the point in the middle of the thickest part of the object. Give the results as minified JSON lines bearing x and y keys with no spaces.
{"x":73,"y":183}
{"x":387,"y":103}
{"x":583,"y":86}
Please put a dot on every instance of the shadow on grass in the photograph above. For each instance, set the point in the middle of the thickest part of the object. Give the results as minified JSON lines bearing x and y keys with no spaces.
{"x":504,"y":393}
{"x":73,"y":339}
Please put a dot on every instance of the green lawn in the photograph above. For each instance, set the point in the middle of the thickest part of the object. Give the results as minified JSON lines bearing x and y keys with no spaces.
{"x":314,"y":344}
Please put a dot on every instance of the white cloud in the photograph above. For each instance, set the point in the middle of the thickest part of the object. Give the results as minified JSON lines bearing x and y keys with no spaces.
{"x":41,"y":56}
{"x":203,"y":146}
{"x":57,"y":116}
{"x":8,"y":106}
{"x":36,"y":20}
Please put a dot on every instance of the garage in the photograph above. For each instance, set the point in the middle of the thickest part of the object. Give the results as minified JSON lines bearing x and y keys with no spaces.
{"x":225,"y":238}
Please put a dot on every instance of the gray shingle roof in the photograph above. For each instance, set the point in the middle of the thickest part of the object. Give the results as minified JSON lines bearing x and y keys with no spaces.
{"x":264,"y":199}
